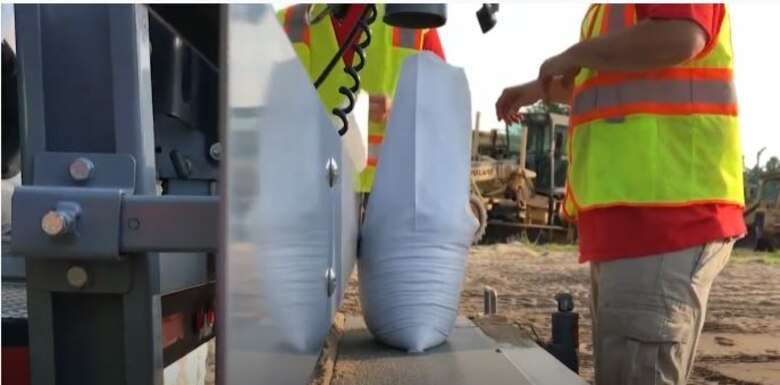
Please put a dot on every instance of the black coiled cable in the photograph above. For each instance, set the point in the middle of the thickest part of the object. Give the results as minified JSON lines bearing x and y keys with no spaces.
{"x":362,"y":25}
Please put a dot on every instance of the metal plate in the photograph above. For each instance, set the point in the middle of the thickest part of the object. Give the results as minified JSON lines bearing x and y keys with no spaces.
{"x":469,"y":357}
{"x":281,"y":215}
{"x":110,"y":170}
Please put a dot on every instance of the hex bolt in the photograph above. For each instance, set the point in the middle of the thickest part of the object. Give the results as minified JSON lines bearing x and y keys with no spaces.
{"x":77,"y":277}
{"x":215,"y":151}
{"x":57,"y":222}
{"x":81,"y":169}
{"x":133,"y":224}
{"x":333,"y":171}
{"x":330,"y":278}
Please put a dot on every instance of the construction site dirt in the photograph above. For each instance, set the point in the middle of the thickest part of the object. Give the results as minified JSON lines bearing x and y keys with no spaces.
{"x":740,"y":344}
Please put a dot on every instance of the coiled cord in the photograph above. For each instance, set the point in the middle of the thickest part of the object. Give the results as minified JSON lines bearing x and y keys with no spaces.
{"x":362,"y":25}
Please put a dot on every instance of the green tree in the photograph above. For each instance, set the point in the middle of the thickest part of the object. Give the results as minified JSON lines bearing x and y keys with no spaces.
{"x":773,"y":164}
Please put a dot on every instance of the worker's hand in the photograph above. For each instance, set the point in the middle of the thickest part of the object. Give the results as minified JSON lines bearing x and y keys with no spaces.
{"x":510,"y":101}
{"x":563,"y":67}
{"x":379,"y":106}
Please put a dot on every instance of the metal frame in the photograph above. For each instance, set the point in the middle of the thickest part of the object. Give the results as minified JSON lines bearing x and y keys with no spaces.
{"x":96,"y":295}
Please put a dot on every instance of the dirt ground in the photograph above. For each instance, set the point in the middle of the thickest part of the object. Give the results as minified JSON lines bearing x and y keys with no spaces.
{"x":741,"y":340}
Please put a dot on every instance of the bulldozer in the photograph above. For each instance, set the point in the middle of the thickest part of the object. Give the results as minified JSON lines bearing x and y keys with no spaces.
{"x":762,"y":214}
{"x":517,"y":178}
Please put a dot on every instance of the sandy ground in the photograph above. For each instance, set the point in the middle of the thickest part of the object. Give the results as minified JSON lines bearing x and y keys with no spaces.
{"x":741,"y":340}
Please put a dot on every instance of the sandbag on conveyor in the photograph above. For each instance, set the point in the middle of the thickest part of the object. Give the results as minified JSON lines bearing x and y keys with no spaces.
{"x":418,"y":227}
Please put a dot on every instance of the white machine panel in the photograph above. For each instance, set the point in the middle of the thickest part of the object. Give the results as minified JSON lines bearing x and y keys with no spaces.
{"x":289,"y":213}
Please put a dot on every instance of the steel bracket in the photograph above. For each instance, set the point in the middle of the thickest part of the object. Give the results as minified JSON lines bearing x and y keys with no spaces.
{"x":86,"y":234}
{"x":115,"y":171}
{"x":104,"y":223}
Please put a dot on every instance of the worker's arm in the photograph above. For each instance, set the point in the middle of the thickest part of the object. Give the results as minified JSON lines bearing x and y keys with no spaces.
{"x":649,"y":45}
{"x":510,"y":101}
{"x":664,"y":36}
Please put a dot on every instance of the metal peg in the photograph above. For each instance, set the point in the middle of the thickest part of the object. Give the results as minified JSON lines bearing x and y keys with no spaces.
{"x":81,"y":169}
{"x":490,"y":298}
{"x":330,"y":278}
{"x":333,"y":171}
{"x":57,"y":222}
{"x":215,"y":151}
{"x":77,"y":277}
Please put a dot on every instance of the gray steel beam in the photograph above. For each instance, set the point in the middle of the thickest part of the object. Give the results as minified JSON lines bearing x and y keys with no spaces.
{"x":86,"y":88}
{"x":169,"y":223}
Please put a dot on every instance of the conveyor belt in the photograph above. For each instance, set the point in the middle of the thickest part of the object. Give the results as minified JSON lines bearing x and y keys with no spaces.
{"x":469,"y":358}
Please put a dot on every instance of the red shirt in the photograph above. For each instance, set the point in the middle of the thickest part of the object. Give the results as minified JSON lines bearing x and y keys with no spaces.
{"x":623,"y":232}
{"x":342,"y":28}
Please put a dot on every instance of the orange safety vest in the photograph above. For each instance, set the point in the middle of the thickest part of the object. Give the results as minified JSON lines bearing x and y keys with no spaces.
{"x":316,"y":44}
{"x":665,"y":138}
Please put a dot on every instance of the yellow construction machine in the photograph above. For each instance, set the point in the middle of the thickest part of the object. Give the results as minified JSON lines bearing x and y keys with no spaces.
{"x":762,"y":214}
{"x":517,"y":178}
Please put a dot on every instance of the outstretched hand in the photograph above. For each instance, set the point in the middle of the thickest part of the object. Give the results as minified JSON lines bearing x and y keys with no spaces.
{"x":509,"y":103}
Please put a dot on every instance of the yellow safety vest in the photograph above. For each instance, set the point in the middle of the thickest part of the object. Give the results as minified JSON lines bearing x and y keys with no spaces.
{"x":316,"y":44}
{"x":665,"y":138}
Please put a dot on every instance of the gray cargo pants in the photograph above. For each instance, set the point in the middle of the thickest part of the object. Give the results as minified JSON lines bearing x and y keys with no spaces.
{"x":648,"y":314}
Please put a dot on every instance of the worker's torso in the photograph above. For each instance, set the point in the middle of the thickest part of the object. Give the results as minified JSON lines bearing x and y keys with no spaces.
{"x":665,"y":138}
{"x":317,"y":43}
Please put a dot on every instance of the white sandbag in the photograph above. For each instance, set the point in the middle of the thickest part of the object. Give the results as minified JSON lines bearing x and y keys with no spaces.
{"x":418,"y":227}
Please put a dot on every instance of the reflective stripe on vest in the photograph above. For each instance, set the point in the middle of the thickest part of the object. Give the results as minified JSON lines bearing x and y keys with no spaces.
{"x":672,"y":96}
{"x":295,"y":24}
{"x":407,"y":38}
{"x":617,"y":17}
{"x":374,"y":142}
{"x":658,"y":138}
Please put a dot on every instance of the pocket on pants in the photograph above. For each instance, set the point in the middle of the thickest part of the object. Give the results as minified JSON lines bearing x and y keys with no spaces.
{"x":711,"y":260}
{"x":643,"y":342}
{"x":656,"y":320}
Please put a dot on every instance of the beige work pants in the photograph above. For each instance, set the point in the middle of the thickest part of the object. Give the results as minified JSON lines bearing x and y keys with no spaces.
{"x":648,"y":313}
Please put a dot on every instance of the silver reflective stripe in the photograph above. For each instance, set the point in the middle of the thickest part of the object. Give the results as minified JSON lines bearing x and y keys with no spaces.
{"x":296,"y":23}
{"x":373,"y":149}
{"x":654,"y":91}
{"x":407,"y":38}
{"x":615,"y":17}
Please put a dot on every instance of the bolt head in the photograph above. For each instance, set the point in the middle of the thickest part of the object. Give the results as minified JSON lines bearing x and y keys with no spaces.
{"x":54,"y":223}
{"x":332,"y":171}
{"x":330,"y":277}
{"x":133,"y":224}
{"x":81,"y":169}
{"x":77,"y":277}
{"x":215,"y":151}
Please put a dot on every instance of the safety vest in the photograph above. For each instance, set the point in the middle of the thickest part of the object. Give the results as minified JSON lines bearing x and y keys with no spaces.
{"x":316,"y":44}
{"x":665,"y":138}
